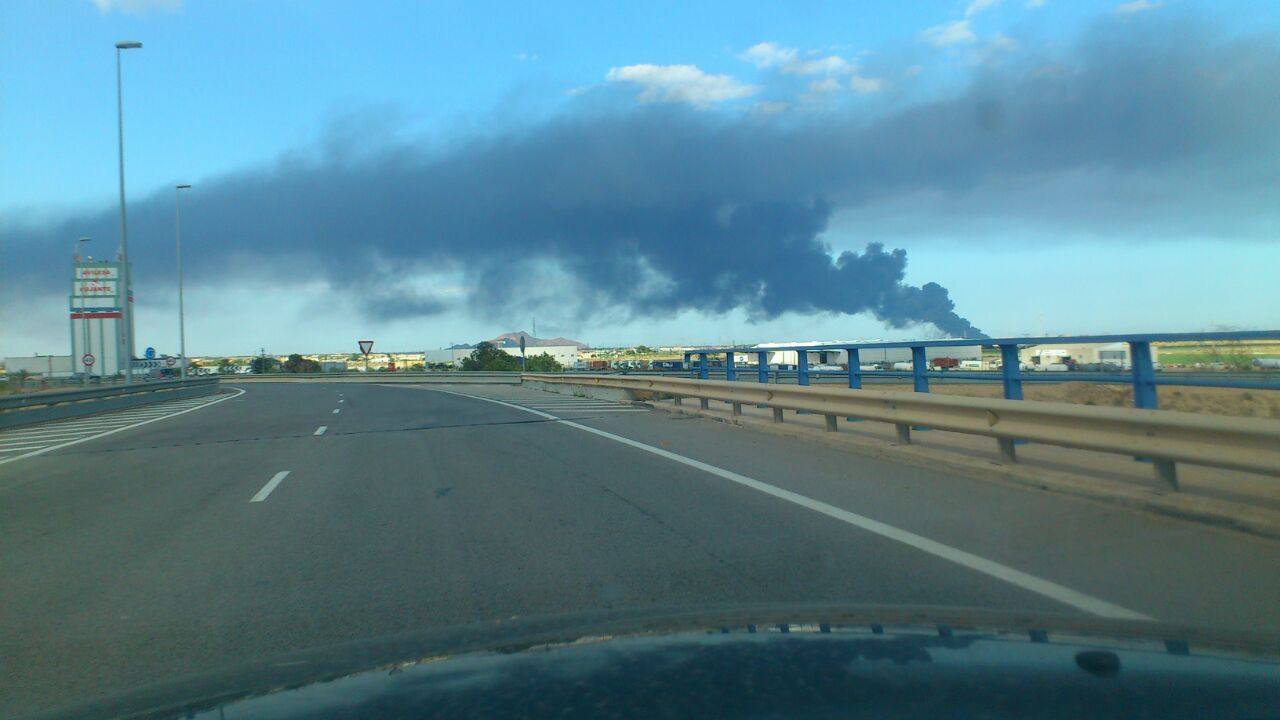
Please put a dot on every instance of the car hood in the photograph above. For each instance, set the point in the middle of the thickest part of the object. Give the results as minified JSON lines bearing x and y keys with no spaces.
{"x":737,"y":661}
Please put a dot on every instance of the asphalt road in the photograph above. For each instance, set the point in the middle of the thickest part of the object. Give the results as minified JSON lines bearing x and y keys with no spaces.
{"x":178,"y":547}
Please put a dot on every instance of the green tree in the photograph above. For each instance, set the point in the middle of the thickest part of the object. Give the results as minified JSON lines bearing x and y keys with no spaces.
{"x":298,"y":364}
{"x":543,"y":363}
{"x":488,"y":357}
{"x":262,"y":365}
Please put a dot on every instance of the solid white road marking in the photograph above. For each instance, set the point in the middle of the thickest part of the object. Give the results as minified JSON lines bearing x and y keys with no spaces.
{"x":1037,"y":585}
{"x":320,"y":430}
{"x":271,"y":485}
{"x":335,"y":411}
{"x":41,"y":451}
{"x":342,"y":400}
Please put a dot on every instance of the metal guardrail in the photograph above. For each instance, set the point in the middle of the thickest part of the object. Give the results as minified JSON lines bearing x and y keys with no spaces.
{"x":451,"y":376}
{"x":27,"y":408}
{"x":1167,"y":437}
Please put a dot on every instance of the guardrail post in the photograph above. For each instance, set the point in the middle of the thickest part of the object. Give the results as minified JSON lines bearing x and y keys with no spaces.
{"x":1011,"y":372}
{"x":830,"y":421}
{"x":1144,"y":396}
{"x":802,"y":366}
{"x":702,"y":366}
{"x":1008,"y":453}
{"x":777,"y":415}
{"x":904,"y":434}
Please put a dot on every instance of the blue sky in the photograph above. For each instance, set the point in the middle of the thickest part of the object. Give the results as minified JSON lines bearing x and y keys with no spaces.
{"x":222,"y":88}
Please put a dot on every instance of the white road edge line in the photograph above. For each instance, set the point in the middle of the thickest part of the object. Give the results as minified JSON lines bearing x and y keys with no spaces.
{"x":271,"y":485}
{"x":239,"y":392}
{"x":335,"y":411}
{"x":320,"y":430}
{"x":1034,"y":584}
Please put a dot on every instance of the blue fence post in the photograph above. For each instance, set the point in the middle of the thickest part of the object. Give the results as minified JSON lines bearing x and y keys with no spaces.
{"x":919,"y":378}
{"x":730,"y":372}
{"x":1011,"y":373}
{"x":1144,"y":396}
{"x":762,"y":371}
{"x":802,"y":366}
{"x":702,"y":366}
{"x":919,"y":366}
{"x":1010,"y":370}
{"x":855,"y":374}
{"x":1144,"y":376}
{"x":688,"y":363}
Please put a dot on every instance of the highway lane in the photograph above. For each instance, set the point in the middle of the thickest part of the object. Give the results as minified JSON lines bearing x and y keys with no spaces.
{"x":141,"y":554}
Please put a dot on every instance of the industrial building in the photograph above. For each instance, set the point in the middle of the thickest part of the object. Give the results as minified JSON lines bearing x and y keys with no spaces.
{"x":783,"y":354}
{"x":1044,"y":356}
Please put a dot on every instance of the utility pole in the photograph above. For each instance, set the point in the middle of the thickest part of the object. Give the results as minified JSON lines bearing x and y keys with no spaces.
{"x":182,"y":321}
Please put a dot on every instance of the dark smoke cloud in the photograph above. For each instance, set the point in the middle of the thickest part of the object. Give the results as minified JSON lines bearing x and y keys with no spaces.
{"x":1157,"y":128}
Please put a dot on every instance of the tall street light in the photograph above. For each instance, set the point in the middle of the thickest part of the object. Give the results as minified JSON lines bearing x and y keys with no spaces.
{"x":182,"y":322}
{"x":125,"y":275}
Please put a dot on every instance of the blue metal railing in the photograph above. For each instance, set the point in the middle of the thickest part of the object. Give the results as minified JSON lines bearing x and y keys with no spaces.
{"x":1142,"y":374}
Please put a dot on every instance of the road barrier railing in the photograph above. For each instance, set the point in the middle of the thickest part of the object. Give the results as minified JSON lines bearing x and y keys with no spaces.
{"x":27,"y":408}
{"x":1249,"y":444}
{"x":438,"y":376}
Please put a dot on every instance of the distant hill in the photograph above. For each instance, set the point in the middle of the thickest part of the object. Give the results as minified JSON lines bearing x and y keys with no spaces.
{"x":512,"y":339}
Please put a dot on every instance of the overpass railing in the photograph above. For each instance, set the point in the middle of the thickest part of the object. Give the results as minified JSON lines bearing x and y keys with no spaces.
{"x":1142,"y":373}
{"x":1167,"y":437}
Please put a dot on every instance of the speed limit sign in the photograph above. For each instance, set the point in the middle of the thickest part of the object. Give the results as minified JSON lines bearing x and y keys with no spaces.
{"x":88,"y":359}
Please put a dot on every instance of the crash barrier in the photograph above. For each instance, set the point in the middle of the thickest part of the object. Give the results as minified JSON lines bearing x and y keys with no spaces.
{"x":27,"y":408}
{"x":459,"y":377}
{"x":1167,"y":437}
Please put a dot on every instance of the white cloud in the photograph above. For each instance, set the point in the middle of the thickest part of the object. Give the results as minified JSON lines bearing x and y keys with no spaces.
{"x":526,"y":57}
{"x":135,"y":6}
{"x":680,"y":83}
{"x":1034,"y":3}
{"x":771,"y":107}
{"x":829,"y":65}
{"x":913,"y":70}
{"x":826,"y":85}
{"x":865,"y":85}
{"x":957,"y":32}
{"x":995,"y":48}
{"x":1137,"y":6}
{"x":977,"y":6}
{"x":767,"y":55}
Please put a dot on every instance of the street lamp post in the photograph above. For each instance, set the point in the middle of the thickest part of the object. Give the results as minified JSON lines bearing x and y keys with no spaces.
{"x":125,"y":274}
{"x":182,"y":322}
